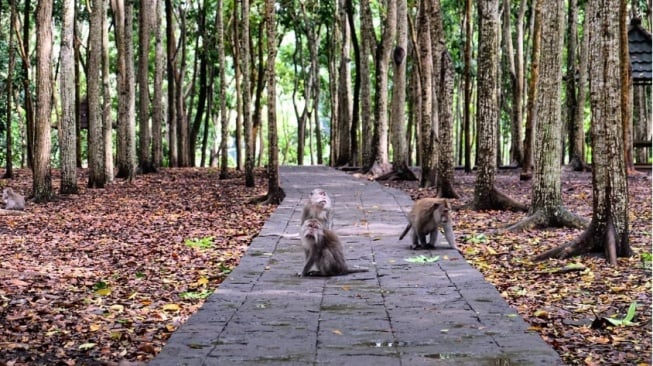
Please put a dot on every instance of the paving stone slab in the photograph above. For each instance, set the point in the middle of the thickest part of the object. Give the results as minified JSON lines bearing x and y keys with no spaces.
{"x":397,"y":313}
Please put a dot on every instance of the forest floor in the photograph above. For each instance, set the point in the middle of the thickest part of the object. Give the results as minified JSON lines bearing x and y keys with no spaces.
{"x":104,"y":277}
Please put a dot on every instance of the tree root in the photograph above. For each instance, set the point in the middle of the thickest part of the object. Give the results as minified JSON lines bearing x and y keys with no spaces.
{"x":557,"y":217}
{"x":271,"y":198}
{"x":398,"y":172}
{"x":588,"y":242}
{"x":499,"y":201}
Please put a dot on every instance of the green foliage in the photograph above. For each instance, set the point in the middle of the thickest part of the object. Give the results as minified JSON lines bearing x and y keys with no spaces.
{"x":422,"y":259}
{"x":628,"y":319}
{"x":476,"y":239}
{"x":203,"y":243}
{"x":195,"y":295}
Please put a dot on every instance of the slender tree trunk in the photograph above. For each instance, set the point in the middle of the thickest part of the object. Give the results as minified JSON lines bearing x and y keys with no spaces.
{"x":531,"y":108}
{"x":107,"y":122}
{"x":29,"y":103}
{"x":183,"y":137}
{"x":9,"y":170}
{"x":344,"y":92}
{"x":41,"y":174}
{"x":157,"y":97}
{"x":626,"y":87}
{"x":145,"y":13}
{"x":275,"y":193}
{"x":398,"y":115}
{"x":67,"y":128}
{"x":367,"y":131}
{"x":171,"y":70}
{"x":246,"y":111}
{"x":354,"y":155}
{"x":446,"y":165}
{"x":425,"y":58}
{"x":96,"y":167}
{"x":224,"y":122}
{"x":383,"y":53}
{"x":468,"y":86}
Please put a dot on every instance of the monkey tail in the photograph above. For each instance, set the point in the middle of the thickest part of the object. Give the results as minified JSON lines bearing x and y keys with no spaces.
{"x":405,"y":231}
{"x":357,"y":270}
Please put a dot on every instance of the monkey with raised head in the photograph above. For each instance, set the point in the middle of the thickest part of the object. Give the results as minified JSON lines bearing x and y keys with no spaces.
{"x":323,"y":250}
{"x":319,"y":207}
{"x":426,"y":217}
{"x":13,"y":200}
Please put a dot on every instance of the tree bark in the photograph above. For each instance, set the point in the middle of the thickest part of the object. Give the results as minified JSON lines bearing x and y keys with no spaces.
{"x":157,"y":97}
{"x":9,"y":152}
{"x":546,"y":205}
{"x":145,"y":13}
{"x":367,"y":132}
{"x":446,"y":184}
{"x":383,"y":52}
{"x":468,"y":86}
{"x":486,"y":196}
{"x":96,"y":167}
{"x":246,"y":111}
{"x":425,"y":68}
{"x":344,"y":92}
{"x":608,"y":230}
{"x":67,"y":88}
{"x":398,"y":115}
{"x":626,"y":87}
{"x":531,"y":107}
{"x":42,"y":176}
{"x":224,"y":122}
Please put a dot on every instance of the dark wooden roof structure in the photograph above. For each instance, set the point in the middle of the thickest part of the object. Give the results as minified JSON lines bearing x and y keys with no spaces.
{"x":639,"y":48}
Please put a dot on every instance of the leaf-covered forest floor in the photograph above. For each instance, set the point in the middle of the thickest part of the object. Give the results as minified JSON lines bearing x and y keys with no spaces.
{"x":560,"y":299}
{"x":105,"y":276}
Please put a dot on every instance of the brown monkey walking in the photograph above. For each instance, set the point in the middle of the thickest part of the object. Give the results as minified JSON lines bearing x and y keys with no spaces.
{"x":319,"y":207}
{"x":426,"y":217}
{"x":323,"y":250}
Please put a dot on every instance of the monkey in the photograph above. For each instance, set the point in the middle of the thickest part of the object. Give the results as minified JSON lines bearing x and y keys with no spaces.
{"x":323,"y":250}
{"x":426,"y":217}
{"x":13,"y":200}
{"x":319,"y":207}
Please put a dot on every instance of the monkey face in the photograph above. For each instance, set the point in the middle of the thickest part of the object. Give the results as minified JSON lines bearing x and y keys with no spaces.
{"x":319,"y":196}
{"x":312,"y":228}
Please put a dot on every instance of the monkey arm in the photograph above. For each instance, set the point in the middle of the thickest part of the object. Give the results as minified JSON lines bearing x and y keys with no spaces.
{"x":448,"y":234}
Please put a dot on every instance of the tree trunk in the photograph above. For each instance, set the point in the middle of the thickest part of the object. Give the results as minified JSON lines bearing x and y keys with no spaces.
{"x":42,"y":176}
{"x":425,"y":68}
{"x":468,"y":86}
{"x":246,"y":111}
{"x":626,"y":87}
{"x":67,"y":127}
{"x":446,"y":184}
{"x":9,"y":170}
{"x":157,"y":97}
{"x":367,"y":132}
{"x":183,"y":136}
{"x":171,"y":70}
{"x":546,"y":206}
{"x":96,"y":167}
{"x":383,"y":52}
{"x":145,"y":14}
{"x":126,"y":150}
{"x":531,"y":107}
{"x":642,"y":121}
{"x":398,"y":115}
{"x":608,"y":231}
{"x":27,"y":91}
{"x":107,"y":122}
{"x":224,"y":122}
{"x":486,"y":196}
{"x":275,"y":193}
{"x":344,"y":92}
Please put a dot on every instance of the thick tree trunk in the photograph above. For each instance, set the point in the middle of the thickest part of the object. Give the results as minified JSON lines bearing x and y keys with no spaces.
{"x":344,"y":93}
{"x":608,"y":232}
{"x":546,"y":205}
{"x":367,"y":132}
{"x":398,"y":115}
{"x":486,"y":197}
{"x":67,"y":128}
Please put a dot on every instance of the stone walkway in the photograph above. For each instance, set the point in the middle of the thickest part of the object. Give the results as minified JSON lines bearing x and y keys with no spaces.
{"x":398,"y":313}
